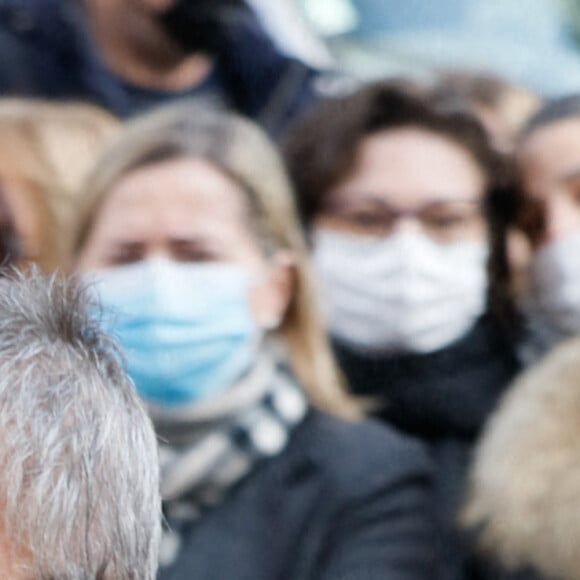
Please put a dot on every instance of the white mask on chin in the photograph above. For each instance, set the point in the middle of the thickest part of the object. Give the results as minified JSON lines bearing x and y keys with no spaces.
{"x":404,"y":293}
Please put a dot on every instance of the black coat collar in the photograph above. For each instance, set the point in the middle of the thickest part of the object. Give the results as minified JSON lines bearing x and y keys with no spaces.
{"x":447,"y":393}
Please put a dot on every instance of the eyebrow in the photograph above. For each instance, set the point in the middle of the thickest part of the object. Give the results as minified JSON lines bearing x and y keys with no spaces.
{"x":128,"y":243}
{"x":193,"y":242}
{"x":377,"y":198}
{"x":171,"y":239}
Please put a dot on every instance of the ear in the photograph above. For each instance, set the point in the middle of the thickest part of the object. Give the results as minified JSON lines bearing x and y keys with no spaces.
{"x":270,"y":297}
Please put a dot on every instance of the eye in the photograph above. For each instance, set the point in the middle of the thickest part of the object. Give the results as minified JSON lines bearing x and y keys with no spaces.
{"x":128,"y":253}
{"x":451,"y":216}
{"x":444,"y":221}
{"x":370,"y":218}
{"x":192,"y":251}
{"x":366,"y":218}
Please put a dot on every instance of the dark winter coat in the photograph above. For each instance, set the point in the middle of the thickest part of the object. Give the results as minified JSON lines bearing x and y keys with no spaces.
{"x":444,"y":399}
{"x":46,"y":50}
{"x":343,"y":502}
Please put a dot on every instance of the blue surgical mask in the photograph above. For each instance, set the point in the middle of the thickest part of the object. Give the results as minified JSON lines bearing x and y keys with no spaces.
{"x":187,"y":330}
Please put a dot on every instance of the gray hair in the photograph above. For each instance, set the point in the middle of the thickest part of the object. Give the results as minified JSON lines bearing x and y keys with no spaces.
{"x":79,"y":476}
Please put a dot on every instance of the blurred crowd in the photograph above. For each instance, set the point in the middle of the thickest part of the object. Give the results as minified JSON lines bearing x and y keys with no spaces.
{"x":261,"y":321}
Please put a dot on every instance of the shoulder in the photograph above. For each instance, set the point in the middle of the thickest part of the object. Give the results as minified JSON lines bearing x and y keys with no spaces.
{"x":35,"y":36}
{"x":363,"y":454}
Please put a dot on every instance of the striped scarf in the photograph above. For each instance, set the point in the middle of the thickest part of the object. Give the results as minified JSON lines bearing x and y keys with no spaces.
{"x":211,"y":446}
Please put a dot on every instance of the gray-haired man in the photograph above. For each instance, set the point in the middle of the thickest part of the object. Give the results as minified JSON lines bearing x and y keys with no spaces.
{"x":78,"y":458}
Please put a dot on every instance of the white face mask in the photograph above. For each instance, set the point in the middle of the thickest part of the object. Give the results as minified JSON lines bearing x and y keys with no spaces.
{"x":404,"y":293}
{"x":554,"y":297}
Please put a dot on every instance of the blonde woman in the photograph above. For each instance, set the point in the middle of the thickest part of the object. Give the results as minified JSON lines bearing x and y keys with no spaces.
{"x":189,"y":235}
{"x":46,"y":151}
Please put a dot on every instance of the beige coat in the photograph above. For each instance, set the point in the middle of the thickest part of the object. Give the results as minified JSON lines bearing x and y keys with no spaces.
{"x":525,"y":483}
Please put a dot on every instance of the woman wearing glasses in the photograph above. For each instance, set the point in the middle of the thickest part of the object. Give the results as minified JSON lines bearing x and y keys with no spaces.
{"x":406,"y":203}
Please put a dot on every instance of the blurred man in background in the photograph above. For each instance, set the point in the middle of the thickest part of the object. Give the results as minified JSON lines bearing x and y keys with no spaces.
{"x":130,"y":55}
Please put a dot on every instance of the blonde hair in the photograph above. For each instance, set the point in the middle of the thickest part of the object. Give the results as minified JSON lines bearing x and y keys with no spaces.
{"x":239,"y":149}
{"x":46,"y":152}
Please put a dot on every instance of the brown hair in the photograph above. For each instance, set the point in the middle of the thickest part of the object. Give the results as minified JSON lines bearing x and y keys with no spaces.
{"x":321,"y":150}
{"x":239,"y":149}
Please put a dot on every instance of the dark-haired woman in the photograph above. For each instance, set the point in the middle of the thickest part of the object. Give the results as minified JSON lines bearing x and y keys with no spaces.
{"x":407,"y":203}
{"x":548,"y":163}
{"x":523,"y":483}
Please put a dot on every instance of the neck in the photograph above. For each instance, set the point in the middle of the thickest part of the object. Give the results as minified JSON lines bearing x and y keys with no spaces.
{"x":140,"y":51}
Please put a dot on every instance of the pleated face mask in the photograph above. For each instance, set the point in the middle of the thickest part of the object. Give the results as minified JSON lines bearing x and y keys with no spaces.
{"x":554,"y":297}
{"x":186,"y":330}
{"x":402,"y":293}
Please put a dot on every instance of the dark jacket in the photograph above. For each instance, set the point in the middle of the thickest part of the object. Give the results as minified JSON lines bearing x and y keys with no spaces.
{"x":443,"y":398}
{"x":342,"y":502}
{"x":46,"y":51}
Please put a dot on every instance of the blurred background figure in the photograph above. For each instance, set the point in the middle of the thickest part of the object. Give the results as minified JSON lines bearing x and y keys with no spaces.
{"x":79,"y":484}
{"x":548,"y":158}
{"x":289,"y":27}
{"x":46,"y":151}
{"x":503,"y":107}
{"x":188,"y":233}
{"x":130,"y":56}
{"x":407,"y":206}
{"x":524,"y":495}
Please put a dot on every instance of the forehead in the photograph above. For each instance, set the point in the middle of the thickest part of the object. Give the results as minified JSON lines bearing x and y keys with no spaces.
{"x":183,"y":191}
{"x":552,"y":151}
{"x":415,"y":163}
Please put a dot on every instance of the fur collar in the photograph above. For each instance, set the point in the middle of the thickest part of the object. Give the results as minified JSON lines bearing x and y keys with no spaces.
{"x":524,"y":493}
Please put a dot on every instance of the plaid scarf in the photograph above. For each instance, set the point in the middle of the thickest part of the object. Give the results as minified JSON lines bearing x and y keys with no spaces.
{"x":210,"y":447}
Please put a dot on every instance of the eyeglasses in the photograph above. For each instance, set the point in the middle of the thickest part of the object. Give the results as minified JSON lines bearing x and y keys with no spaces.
{"x":440,"y":220}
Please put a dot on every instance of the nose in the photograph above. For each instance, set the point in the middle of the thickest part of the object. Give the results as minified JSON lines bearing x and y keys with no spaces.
{"x":158,"y":253}
{"x":408,"y":224}
{"x":562,"y":218}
